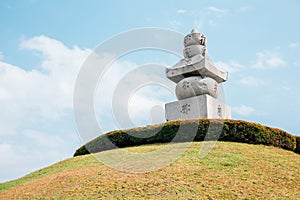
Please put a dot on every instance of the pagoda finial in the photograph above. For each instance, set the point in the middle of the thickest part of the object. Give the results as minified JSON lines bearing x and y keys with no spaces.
{"x":195,"y":31}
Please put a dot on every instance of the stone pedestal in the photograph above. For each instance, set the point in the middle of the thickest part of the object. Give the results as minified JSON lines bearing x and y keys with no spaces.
{"x":203,"y":106}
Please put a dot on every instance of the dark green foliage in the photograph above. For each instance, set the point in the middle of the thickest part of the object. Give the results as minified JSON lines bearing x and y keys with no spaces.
{"x":246,"y":132}
{"x":297,"y":149}
{"x":81,"y":151}
{"x":193,"y":130}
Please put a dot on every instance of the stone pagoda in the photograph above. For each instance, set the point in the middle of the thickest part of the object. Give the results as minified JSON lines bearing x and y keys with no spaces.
{"x":197,"y":80}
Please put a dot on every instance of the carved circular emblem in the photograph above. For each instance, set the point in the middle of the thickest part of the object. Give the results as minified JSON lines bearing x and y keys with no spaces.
{"x":195,"y":86}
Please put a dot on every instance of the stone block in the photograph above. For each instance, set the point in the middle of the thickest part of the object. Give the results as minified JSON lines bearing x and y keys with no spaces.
{"x":203,"y":106}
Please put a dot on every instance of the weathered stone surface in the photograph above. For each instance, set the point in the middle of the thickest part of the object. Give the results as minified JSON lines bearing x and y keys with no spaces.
{"x":194,"y":38}
{"x":195,"y":86}
{"x":195,"y":66}
{"x":197,"y":81}
{"x":203,"y":106}
{"x":193,"y":50}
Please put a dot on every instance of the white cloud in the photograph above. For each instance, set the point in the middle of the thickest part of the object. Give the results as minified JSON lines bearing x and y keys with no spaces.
{"x":231,"y":66}
{"x":43,"y":139}
{"x":294,"y":45}
{"x":175,"y":24}
{"x":4,"y":94}
{"x":19,"y":159}
{"x":47,"y":91}
{"x":57,"y":58}
{"x":286,"y":88}
{"x":133,"y":109}
{"x":243,"y":110}
{"x":33,"y":104}
{"x":251,"y":81}
{"x":268,"y":60}
{"x":220,"y":12}
{"x":181,"y":11}
{"x":140,"y":107}
{"x":243,"y":8}
{"x":147,"y":104}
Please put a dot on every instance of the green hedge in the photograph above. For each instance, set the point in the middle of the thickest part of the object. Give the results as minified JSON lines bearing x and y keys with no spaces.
{"x":297,"y":150}
{"x":183,"y":131}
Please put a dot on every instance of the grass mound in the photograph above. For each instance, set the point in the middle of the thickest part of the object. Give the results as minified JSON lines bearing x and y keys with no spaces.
{"x":182,"y":131}
{"x":229,"y":171}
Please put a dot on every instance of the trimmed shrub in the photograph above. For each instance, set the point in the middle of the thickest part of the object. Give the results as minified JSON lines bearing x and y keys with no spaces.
{"x":193,"y":130}
{"x":297,"y":149}
{"x":81,"y":151}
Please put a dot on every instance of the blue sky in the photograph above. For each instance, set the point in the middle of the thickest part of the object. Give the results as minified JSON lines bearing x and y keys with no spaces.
{"x":44,"y":43}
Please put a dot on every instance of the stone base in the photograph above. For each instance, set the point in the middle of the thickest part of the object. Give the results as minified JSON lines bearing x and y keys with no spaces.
{"x":203,"y":106}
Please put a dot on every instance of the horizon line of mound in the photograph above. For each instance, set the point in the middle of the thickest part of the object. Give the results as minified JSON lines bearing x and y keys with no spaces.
{"x":233,"y":131}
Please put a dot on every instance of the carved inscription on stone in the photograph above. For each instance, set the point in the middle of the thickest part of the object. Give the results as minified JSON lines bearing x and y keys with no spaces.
{"x":185,"y":85}
{"x":185,"y":109}
{"x":219,"y":111}
{"x":216,"y":89}
{"x":196,"y":86}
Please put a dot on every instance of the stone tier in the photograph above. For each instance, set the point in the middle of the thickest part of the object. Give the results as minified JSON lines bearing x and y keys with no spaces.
{"x":203,"y":106}
{"x":196,"y":66}
{"x":195,"y":86}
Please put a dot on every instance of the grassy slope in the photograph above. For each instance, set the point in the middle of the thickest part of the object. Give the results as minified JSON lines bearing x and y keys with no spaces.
{"x":230,"y":171}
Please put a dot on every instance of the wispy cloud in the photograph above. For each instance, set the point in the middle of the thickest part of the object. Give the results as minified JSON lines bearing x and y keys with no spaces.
{"x":243,"y":8}
{"x":285,"y":88}
{"x":43,"y":139}
{"x":220,"y":12}
{"x":175,"y":24}
{"x":294,"y":45}
{"x":181,"y":11}
{"x":231,"y":66}
{"x":206,"y":16}
{"x":4,"y":94}
{"x":268,"y":60}
{"x":251,"y":81}
{"x":243,"y":110}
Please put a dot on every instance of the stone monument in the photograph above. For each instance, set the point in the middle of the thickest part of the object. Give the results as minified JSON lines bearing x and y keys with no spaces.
{"x":197,"y":80}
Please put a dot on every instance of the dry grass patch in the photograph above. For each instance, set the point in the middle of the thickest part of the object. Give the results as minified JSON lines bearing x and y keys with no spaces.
{"x":230,"y":171}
